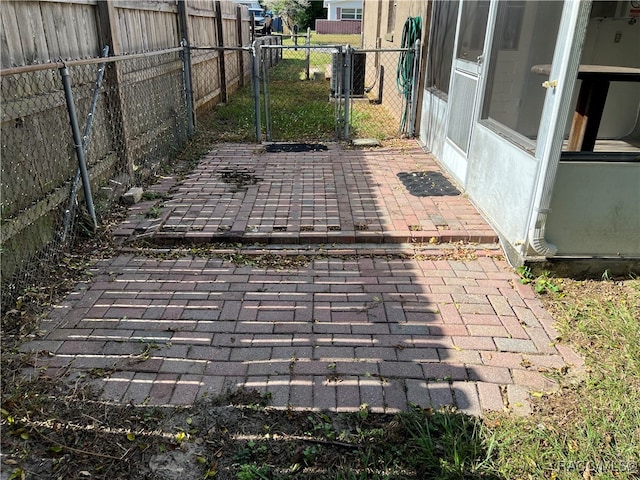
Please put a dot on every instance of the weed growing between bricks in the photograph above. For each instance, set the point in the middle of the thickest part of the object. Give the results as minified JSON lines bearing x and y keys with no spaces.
{"x":55,"y":426}
{"x":263,"y":255}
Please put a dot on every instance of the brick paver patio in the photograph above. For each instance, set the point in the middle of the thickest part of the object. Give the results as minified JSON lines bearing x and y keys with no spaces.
{"x":356,"y":322}
{"x":333,"y":196}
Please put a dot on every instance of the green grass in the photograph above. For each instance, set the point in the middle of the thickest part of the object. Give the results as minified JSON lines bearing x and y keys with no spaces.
{"x":300,"y":107}
{"x":230,"y":122}
{"x":327,"y":39}
{"x":590,"y":429}
{"x":300,"y":110}
{"x":449,"y":445}
{"x":369,"y":120}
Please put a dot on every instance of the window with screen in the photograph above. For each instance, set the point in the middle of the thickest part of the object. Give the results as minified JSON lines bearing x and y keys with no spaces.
{"x":443,"y":35}
{"x":525,"y":35}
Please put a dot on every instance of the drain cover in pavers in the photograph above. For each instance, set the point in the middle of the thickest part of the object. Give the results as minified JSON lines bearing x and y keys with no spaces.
{"x":295,"y":147}
{"x":427,"y":184}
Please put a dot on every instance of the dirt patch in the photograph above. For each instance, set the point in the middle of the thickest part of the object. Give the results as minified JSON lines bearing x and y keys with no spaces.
{"x":58,"y":428}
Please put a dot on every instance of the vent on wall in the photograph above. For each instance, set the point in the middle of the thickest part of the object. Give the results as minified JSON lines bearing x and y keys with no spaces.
{"x":461,"y":117}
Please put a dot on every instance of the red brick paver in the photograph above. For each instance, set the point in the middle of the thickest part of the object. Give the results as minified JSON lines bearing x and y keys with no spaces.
{"x":356,"y":324}
{"x":243,"y":193}
{"x":343,"y":360}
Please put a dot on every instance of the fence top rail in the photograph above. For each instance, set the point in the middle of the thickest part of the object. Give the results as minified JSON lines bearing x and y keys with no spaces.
{"x":237,"y":49}
{"x":384,"y":50}
{"x":88,"y":61}
{"x":333,"y":47}
{"x":303,"y":47}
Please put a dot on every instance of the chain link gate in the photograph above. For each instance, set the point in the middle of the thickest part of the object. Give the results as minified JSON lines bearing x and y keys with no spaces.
{"x":334,"y":92}
{"x":295,"y":96}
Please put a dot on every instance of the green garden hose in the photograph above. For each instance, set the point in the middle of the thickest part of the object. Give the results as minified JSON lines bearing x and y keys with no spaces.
{"x":411,"y":32}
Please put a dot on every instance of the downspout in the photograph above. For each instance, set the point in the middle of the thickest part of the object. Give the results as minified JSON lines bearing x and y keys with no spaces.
{"x":561,"y":82}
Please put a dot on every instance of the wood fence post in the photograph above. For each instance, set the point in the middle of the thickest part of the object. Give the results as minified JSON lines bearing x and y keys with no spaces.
{"x":108,"y":34}
{"x":239,"y":37}
{"x":183,"y":27}
{"x":108,"y":26}
{"x":221,"y":59}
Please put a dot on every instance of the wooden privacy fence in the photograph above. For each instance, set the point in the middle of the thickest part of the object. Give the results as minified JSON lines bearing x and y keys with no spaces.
{"x":37,"y":32}
{"x":154,"y":86}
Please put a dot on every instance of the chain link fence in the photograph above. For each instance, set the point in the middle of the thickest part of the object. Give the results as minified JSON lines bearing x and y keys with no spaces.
{"x":76,"y":136}
{"x":224,"y":77}
{"x":126,"y":127}
{"x":324,"y":92}
{"x":296,"y":98}
{"x":385,"y":86}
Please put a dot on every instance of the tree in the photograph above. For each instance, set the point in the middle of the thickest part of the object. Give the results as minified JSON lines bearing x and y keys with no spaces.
{"x":314,"y":10}
{"x":291,"y":11}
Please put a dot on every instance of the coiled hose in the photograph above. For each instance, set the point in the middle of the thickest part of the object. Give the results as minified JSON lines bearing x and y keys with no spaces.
{"x":411,"y":32}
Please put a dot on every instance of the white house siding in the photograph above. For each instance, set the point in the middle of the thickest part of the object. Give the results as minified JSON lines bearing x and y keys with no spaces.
{"x":334,"y":7}
{"x":432,"y":126}
{"x":596,"y":209}
{"x":500,"y":181}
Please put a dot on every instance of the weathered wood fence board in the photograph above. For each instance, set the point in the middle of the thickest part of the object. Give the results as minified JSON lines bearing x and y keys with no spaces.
{"x":141,"y":114}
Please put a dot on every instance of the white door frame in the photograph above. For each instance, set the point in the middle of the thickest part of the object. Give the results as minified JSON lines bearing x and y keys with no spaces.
{"x":558,"y":101}
{"x":469,"y":72}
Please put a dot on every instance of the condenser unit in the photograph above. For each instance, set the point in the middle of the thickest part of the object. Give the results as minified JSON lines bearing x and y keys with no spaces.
{"x":338,"y":70}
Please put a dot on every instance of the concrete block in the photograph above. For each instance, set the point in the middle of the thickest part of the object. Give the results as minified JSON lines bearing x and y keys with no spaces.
{"x":133,"y":196}
{"x":365,"y":142}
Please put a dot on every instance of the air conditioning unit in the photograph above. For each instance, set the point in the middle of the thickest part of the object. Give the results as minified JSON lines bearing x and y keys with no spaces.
{"x":338,"y":70}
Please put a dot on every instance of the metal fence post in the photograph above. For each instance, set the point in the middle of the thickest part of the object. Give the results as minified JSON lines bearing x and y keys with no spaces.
{"x":183,"y":24}
{"x":77,"y":143}
{"x":348,"y":82}
{"x":414,"y":90}
{"x":336,"y":90}
{"x":308,"y":53}
{"x":255,"y":83}
{"x":68,"y":213}
{"x":265,"y":91}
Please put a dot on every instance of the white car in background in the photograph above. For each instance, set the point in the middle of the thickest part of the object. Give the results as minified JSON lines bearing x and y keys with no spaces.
{"x":258,"y":13}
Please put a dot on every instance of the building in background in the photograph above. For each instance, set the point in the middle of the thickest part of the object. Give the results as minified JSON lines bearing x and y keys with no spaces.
{"x":343,"y":17}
